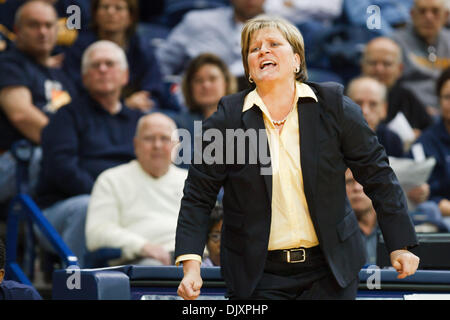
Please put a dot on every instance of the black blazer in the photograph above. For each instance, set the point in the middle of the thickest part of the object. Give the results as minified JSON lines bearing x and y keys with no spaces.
{"x":333,"y":136}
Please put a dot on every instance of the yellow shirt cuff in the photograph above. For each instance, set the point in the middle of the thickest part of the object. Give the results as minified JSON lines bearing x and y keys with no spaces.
{"x":185,"y":257}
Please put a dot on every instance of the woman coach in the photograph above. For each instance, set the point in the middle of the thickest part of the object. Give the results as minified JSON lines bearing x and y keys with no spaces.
{"x":291,"y":234}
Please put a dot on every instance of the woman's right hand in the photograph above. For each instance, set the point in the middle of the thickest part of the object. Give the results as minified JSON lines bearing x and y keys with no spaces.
{"x":189,"y":288}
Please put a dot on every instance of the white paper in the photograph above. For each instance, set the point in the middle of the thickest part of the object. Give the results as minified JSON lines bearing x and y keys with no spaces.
{"x":411,"y":173}
{"x":401,"y":126}
{"x":417,"y":152}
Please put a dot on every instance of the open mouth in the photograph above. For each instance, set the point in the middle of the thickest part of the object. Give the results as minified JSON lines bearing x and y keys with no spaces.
{"x":267,"y":64}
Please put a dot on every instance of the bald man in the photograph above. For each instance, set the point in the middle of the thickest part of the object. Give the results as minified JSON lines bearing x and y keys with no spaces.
{"x":370,"y":95}
{"x":382,"y":60}
{"x":426,"y":50}
{"x":30,"y":89}
{"x":135,"y":206}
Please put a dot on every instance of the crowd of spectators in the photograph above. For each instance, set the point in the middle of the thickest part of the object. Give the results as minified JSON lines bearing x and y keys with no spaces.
{"x":78,"y":95}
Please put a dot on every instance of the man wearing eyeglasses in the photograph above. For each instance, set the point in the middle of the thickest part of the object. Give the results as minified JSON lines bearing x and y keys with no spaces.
{"x":135,"y":206}
{"x":426,"y":49}
{"x":382,"y":60}
{"x":93,"y":133}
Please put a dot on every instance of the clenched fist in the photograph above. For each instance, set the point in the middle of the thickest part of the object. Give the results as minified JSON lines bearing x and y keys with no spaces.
{"x":405,"y":262}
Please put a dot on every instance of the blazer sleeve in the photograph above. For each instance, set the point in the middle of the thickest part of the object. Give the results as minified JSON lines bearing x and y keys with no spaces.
{"x":369,"y":164}
{"x":202,"y":185}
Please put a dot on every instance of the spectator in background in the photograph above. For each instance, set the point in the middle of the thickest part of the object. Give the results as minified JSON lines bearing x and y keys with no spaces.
{"x":135,"y":206}
{"x":94,"y":133}
{"x":426,"y":50}
{"x":313,"y":19}
{"x":300,"y":11}
{"x":370,"y":95}
{"x":216,"y":31}
{"x":393,"y":13}
{"x":116,"y":21}
{"x":436,"y":143}
{"x":12,"y":290}
{"x":31,"y":90}
{"x":206,"y":80}
{"x":65,"y":37}
{"x":365,"y":214}
{"x":214,"y":235}
{"x":382,"y":60}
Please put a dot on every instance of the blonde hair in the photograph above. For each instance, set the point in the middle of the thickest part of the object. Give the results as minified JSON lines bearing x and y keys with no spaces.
{"x":287,"y":29}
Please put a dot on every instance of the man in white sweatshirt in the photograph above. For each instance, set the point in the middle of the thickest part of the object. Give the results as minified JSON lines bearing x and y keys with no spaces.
{"x":135,"y":206}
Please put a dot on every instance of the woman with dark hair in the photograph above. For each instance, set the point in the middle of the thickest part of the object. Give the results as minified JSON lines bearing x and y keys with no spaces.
{"x":206,"y":80}
{"x":116,"y":20}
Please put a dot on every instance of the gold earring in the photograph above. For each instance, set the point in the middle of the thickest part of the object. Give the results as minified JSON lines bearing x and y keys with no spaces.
{"x":250,"y":79}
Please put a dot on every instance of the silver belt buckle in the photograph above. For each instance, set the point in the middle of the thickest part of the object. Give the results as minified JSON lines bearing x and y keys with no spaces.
{"x":289,"y":260}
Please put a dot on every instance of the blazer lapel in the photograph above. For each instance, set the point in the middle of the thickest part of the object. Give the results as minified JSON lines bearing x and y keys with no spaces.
{"x":308,"y":113}
{"x":253,"y":119}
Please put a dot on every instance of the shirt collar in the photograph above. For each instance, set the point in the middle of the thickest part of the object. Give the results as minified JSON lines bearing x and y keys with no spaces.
{"x":124,"y":111}
{"x":302,"y":90}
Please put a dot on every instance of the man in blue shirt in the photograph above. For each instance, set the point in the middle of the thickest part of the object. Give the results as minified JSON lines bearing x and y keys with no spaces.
{"x":93,"y":133}
{"x":371,"y":95}
{"x":66,"y":36}
{"x":436,"y":143}
{"x":31,"y":90}
{"x":365,"y":213}
{"x":426,"y":50}
{"x":12,"y":290}
{"x":145,"y":89}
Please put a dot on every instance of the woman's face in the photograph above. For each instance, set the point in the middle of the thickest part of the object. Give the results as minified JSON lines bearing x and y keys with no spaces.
{"x":208,"y":86}
{"x":270,"y":56}
{"x":445,"y":101}
{"x":113,"y":16}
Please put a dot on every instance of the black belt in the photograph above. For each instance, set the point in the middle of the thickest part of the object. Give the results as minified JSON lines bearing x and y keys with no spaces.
{"x":294,"y":255}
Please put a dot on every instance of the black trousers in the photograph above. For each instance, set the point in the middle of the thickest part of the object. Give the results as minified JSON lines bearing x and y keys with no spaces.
{"x":309,"y":280}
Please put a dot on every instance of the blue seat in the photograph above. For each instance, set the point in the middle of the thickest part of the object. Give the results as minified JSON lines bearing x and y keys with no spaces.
{"x":135,"y":282}
{"x":76,"y":284}
{"x":23,"y":209}
{"x":128,"y":282}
